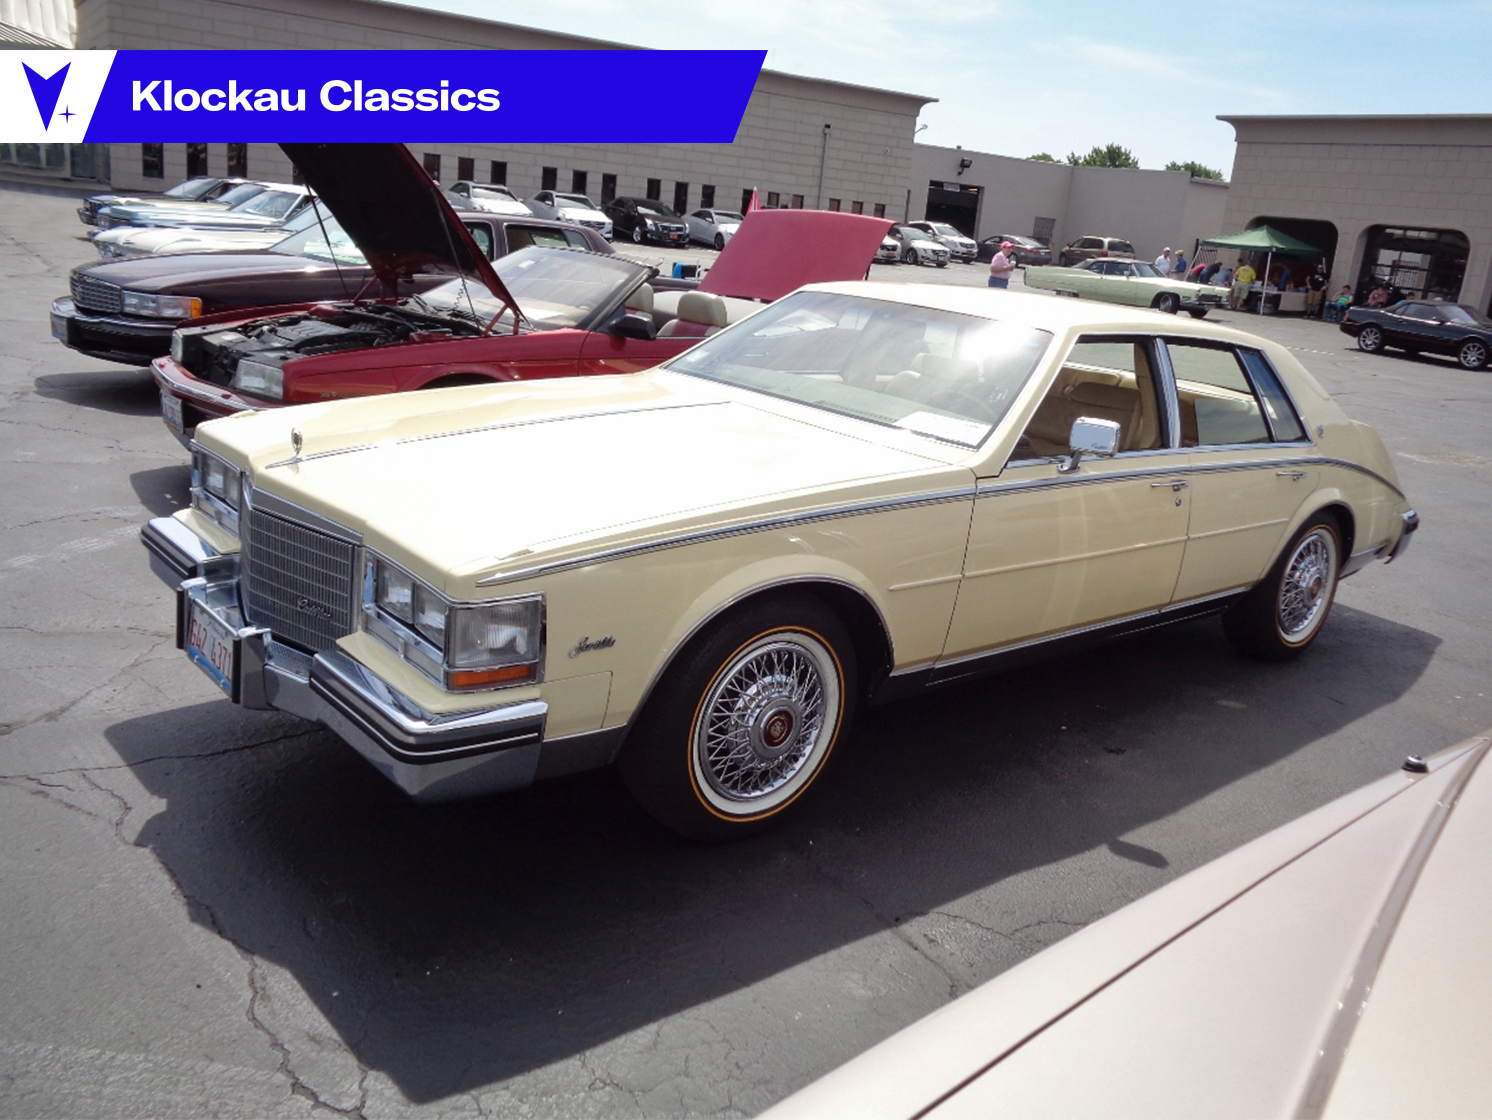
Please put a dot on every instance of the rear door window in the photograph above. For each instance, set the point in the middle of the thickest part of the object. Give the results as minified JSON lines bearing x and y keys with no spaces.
{"x":1218,"y":405}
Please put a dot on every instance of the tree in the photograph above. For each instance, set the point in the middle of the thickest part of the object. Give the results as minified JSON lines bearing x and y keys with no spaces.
{"x":1111,"y":155}
{"x":1043,"y":157}
{"x":1198,"y":171}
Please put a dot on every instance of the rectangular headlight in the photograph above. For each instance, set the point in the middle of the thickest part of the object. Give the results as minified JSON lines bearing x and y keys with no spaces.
{"x":160,"y":307}
{"x":259,"y":378}
{"x":217,"y":488}
{"x":463,"y":647}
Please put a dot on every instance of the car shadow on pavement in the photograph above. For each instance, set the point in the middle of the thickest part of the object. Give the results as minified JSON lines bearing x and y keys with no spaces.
{"x":163,"y":490}
{"x":456,"y":946}
{"x":128,"y":390}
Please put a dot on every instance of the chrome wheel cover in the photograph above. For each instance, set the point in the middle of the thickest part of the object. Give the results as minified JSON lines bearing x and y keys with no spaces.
{"x":766,"y":723}
{"x":1473,"y":355}
{"x":1307,"y":587}
{"x":1369,"y":339}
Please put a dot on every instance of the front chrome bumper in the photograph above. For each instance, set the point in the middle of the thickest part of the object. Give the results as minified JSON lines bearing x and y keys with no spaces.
{"x":430,"y":757}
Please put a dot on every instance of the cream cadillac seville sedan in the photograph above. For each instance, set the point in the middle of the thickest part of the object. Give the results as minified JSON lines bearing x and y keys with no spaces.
{"x":701,"y":571}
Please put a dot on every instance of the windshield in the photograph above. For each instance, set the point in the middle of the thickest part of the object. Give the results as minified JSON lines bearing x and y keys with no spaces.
{"x":554,"y":288}
{"x":652,"y":206}
{"x":728,"y":216}
{"x":500,"y":194}
{"x":575,"y":200}
{"x":271,"y":204}
{"x":1459,"y":313}
{"x":945,"y":231}
{"x":942,"y":375}
{"x":239,"y":194}
{"x":311,"y":242}
{"x":192,"y":188}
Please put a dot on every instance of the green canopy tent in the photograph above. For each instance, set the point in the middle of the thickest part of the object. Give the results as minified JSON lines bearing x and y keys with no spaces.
{"x":1265,"y":239}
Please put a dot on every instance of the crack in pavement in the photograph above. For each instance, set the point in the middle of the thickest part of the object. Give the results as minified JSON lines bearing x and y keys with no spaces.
{"x":83,"y":771}
{"x":60,"y":711}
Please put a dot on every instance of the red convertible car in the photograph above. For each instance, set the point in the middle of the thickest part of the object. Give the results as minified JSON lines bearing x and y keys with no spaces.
{"x":537,"y":312}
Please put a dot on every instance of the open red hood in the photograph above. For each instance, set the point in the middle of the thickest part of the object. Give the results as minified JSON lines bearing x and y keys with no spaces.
{"x":394,"y":212}
{"x":777,"y":251}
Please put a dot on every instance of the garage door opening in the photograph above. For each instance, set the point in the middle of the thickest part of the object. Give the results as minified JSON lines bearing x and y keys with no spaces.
{"x":1414,"y":263}
{"x":1317,"y":234}
{"x":957,"y":204}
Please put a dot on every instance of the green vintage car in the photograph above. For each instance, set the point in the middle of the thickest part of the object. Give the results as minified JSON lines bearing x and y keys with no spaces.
{"x":1118,"y":280}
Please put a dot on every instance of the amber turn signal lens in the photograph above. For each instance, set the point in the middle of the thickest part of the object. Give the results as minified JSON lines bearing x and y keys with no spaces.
{"x":482,"y":678}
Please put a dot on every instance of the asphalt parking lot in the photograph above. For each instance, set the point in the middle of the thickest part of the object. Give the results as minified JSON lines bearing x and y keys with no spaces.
{"x":213,"y":911}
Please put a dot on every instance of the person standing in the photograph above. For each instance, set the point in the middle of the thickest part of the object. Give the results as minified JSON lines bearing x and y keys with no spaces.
{"x":1242,"y":279}
{"x":1315,"y":292}
{"x":1163,"y":262}
{"x":1001,"y":266}
{"x":1179,"y":270}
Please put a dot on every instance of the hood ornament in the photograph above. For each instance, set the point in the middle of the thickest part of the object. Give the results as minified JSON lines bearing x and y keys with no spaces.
{"x":296,"y":440}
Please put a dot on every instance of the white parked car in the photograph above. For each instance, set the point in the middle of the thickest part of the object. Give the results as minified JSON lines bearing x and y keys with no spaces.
{"x":133,"y":241}
{"x":1335,"y":967}
{"x":576,"y":209}
{"x":494,"y":198}
{"x":959,"y":247}
{"x":713,"y":227}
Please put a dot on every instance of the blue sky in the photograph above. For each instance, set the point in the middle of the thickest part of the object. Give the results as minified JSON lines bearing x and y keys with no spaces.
{"x":1022,"y":76}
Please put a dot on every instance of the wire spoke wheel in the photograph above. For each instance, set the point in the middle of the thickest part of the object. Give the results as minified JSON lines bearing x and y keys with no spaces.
{"x":1307,"y":587}
{"x":766,"y":720}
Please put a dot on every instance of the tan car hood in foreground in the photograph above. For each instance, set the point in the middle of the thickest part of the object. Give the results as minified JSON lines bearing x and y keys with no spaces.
{"x":1235,"y":991}
{"x":451,"y":482}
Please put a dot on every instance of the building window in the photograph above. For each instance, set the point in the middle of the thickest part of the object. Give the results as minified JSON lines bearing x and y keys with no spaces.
{"x":834,"y":204}
{"x":857,"y":207}
{"x":466,"y":168}
{"x":880,"y":209}
{"x":608,"y":187}
{"x":153,"y":161}
{"x":655,"y":189}
{"x":196,"y":160}
{"x":797,"y":202}
{"x":773,"y":200}
{"x":296,"y":177}
{"x":499,"y":172}
{"x":681,"y":197}
{"x":432,"y":165}
{"x":578,"y":181}
{"x":238,"y":161}
{"x":548,"y":178}
{"x":746,"y":200}
{"x":707,"y":197}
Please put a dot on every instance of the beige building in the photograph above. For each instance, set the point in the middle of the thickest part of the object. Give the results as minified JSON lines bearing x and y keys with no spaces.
{"x":985,"y":195}
{"x":862,"y":160}
{"x":1398,"y":200}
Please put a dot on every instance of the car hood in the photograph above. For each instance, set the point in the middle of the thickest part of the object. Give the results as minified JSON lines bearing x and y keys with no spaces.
{"x":778,"y":251}
{"x":1334,"y":967}
{"x":189,"y":240}
{"x":580,"y":213}
{"x":393,"y":212}
{"x":572,"y":467}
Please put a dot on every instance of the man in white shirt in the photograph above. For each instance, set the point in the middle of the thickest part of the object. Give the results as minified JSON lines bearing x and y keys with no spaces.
{"x":1163,"y":262}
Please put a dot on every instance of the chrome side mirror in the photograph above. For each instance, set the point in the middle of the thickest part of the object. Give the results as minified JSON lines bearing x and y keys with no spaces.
{"x":1090,"y":436}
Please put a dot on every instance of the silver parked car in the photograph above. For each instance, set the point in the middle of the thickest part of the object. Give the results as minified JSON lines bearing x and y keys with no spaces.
{"x":577,"y":209}
{"x":917,"y":247}
{"x":1336,"y":967}
{"x":713,"y":227}
{"x":960,"y":248}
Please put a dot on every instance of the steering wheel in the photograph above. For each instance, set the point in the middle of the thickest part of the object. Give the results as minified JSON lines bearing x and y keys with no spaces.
{"x":946,"y":399}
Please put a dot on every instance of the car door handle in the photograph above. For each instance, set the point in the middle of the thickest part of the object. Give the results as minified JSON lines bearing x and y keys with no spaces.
{"x":1293,"y":476}
{"x":1174,"y":484}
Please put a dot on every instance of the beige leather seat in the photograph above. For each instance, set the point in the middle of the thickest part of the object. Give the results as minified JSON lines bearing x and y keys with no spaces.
{"x":700,"y":315}
{"x":641,"y":300}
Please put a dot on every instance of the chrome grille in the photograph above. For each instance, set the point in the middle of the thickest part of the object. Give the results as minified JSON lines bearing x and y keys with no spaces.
{"x":299,"y":582}
{"x":96,"y":295}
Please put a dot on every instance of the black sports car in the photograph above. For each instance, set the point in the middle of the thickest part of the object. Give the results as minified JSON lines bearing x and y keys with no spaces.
{"x":1416,"y":326}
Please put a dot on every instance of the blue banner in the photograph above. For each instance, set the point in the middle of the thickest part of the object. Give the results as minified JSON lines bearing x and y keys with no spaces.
{"x":514,"y":97}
